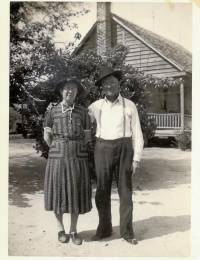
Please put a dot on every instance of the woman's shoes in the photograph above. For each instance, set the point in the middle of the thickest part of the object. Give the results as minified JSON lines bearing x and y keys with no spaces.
{"x":62,"y":237}
{"x":76,"y":239}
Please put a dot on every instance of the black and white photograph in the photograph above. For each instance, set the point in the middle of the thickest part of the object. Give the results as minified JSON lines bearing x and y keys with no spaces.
{"x":100,"y":126}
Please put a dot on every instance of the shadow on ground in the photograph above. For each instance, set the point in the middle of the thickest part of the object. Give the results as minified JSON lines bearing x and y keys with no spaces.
{"x":148,"y":228}
{"x":26,"y":173}
{"x":26,"y":176}
{"x":158,"y":174}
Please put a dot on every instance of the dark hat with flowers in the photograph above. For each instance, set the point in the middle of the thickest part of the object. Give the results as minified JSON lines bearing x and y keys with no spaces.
{"x":71,"y":80}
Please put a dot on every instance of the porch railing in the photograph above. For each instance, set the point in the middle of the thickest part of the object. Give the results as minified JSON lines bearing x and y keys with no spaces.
{"x":166,"y":120}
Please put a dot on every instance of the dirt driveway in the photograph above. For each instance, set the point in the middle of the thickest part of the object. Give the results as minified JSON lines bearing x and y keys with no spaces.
{"x":161,"y":216}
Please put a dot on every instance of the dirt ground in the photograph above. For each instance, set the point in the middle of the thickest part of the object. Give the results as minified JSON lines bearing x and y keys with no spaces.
{"x":161,"y":216}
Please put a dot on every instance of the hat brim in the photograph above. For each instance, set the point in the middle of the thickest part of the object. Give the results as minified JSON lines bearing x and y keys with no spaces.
{"x":116,"y":73}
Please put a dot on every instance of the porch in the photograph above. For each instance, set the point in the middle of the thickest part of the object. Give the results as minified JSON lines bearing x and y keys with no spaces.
{"x":171,"y":109}
{"x":170,"y":124}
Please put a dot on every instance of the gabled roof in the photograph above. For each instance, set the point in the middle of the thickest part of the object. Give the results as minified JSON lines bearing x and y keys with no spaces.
{"x":85,"y":38}
{"x":171,"y":51}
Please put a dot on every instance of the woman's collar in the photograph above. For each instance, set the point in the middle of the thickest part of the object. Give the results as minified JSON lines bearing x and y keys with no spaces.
{"x":65,"y":107}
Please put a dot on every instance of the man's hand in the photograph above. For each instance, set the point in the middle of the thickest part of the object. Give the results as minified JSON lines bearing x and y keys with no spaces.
{"x":47,"y":136}
{"x":50,"y":106}
{"x":135,"y":166}
{"x":88,"y":137}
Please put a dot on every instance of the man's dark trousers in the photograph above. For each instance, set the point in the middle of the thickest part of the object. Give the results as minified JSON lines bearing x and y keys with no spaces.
{"x":114,"y":156}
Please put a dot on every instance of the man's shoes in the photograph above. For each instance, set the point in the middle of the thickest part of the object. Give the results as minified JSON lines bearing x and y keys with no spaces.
{"x":132,"y":241}
{"x":76,"y":239}
{"x":62,"y":237}
{"x":98,"y":237}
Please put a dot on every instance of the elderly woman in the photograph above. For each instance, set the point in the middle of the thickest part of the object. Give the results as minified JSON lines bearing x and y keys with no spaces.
{"x":67,"y":187}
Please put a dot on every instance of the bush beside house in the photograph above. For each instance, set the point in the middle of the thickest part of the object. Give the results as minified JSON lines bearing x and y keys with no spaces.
{"x":184,"y":140}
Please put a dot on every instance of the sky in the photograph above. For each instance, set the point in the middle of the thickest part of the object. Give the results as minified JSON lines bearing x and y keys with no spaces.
{"x":171,"y":20}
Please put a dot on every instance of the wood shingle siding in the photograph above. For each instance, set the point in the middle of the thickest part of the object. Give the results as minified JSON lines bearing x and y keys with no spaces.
{"x":148,"y":66}
{"x":141,"y":56}
{"x":88,"y":42}
{"x":158,"y":71}
{"x":168,"y":74}
{"x":91,"y":41}
{"x":141,"y":59}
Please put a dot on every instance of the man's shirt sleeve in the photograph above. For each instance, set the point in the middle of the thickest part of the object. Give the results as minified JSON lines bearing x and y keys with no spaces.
{"x":137,"y":136}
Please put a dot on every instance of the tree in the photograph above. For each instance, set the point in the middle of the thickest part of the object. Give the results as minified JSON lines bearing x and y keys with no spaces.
{"x":32,"y":29}
{"x":33,"y":55}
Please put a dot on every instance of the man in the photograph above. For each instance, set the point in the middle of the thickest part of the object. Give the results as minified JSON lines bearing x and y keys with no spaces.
{"x":119,"y":145}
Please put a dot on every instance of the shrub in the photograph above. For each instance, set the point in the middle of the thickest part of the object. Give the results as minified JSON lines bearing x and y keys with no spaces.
{"x":184,"y":140}
{"x":14,"y":119}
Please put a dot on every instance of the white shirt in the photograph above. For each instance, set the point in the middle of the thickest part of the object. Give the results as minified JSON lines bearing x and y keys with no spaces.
{"x":110,"y":116}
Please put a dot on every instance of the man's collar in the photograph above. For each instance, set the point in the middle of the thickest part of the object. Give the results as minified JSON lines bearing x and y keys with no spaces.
{"x":118,"y":99}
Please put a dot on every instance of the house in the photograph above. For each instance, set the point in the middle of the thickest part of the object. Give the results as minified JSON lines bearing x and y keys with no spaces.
{"x":154,"y":55}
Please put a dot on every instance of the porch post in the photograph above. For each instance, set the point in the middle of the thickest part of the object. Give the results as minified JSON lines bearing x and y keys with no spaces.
{"x":182,"y":104}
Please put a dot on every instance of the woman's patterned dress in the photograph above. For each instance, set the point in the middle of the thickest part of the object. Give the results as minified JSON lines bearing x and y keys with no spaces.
{"x":67,"y":185}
